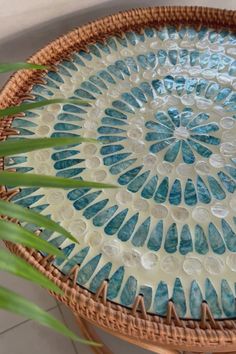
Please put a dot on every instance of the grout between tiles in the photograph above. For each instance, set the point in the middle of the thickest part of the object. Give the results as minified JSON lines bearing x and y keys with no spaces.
{"x":25,"y":321}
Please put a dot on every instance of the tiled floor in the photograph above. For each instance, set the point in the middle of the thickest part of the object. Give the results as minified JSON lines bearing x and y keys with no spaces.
{"x":18,"y":335}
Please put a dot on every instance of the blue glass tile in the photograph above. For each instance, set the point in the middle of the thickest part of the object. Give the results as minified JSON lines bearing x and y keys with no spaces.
{"x":162,"y":191}
{"x":229,"y":236}
{"x":200,"y":149}
{"x":141,"y":234}
{"x":129,"y":175}
{"x":172,"y":152}
{"x":101,"y":218}
{"x":76,"y":259}
{"x":190,"y":196}
{"x":127,"y":229}
{"x":195,"y":300}
{"x":215,"y":239}
{"x":161,"y":299}
{"x":202,"y":191}
{"x":112,"y":159}
{"x":175,"y":193}
{"x":146,"y":291}
{"x":131,"y":100}
{"x":115,"y":283}
{"x":187,"y":153}
{"x":93,"y":209}
{"x":186,"y":243}
{"x":120,"y":167}
{"x":227,"y":182}
{"x":156,"y":235}
{"x":178,"y":298}
{"x":171,"y":239}
{"x":129,"y":292}
{"x":201,"y":245}
{"x":150,"y":188}
{"x":212,"y":299}
{"x":215,"y":188}
{"x":138,"y":182}
{"x":84,"y":201}
{"x":228,"y":299}
{"x":115,"y":223}
{"x":88,"y":270}
{"x":101,"y":275}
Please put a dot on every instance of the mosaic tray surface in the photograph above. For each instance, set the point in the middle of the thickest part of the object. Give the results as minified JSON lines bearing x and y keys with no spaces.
{"x":163,"y":103}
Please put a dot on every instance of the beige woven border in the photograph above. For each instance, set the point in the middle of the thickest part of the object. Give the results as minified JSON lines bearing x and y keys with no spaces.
{"x":134,"y":323}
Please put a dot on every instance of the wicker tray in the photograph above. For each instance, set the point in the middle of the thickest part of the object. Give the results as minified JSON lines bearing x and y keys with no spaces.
{"x":156,"y":261}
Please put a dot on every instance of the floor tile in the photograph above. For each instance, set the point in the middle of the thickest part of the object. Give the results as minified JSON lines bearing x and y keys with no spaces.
{"x":116,"y":345}
{"x":33,"y":292}
{"x":30,"y":338}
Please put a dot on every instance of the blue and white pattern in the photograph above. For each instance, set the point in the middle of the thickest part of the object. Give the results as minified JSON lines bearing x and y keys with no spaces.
{"x":163,"y":106}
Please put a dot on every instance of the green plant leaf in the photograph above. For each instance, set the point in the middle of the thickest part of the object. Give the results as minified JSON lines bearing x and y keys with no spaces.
{"x":10,"y":147}
{"x":17,"y":234}
{"x":15,"y":303}
{"x":33,"y":180}
{"x":10,"y":111}
{"x":17,"y":266}
{"x":24,"y":214}
{"x":6,"y":67}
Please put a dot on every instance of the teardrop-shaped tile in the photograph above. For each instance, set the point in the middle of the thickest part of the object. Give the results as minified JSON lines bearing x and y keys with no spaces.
{"x":202,"y":191}
{"x":138,"y":182}
{"x":228,"y":299}
{"x":76,"y":259}
{"x":195,"y":300}
{"x":187,"y":153}
{"x":155,"y":239}
{"x":175,"y":193}
{"x":171,"y":240}
{"x":101,"y":275}
{"x":227,"y":182}
{"x":186,"y":242}
{"x":127,"y":229}
{"x":161,"y":145}
{"x":174,"y":115}
{"x":229,"y":236}
{"x":115,"y":223}
{"x":141,"y":234}
{"x":84,"y":201}
{"x":165,"y":120}
{"x":88,"y":270}
{"x":146,"y":291}
{"x":93,"y":209}
{"x":129,"y":175}
{"x":201,"y":245}
{"x":212,"y":299}
{"x":216,"y":240}
{"x":112,"y":159}
{"x":162,"y":191}
{"x":66,"y":251}
{"x":129,"y":291}
{"x":190,"y":196}
{"x":200,"y":149}
{"x":161,"y":299}
{"x":150,"y":188}
{"x":121,"y":166}
{"x":178,"y":298}
{"x":172,"y":152}
{"x":216,"y":188}
{"x":115,"y":283}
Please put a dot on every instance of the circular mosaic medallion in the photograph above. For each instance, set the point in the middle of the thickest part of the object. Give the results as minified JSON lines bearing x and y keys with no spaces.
{"x":163,"y":106}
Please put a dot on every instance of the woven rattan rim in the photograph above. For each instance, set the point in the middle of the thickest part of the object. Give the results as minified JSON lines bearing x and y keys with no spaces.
{"x":154,"y":330}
